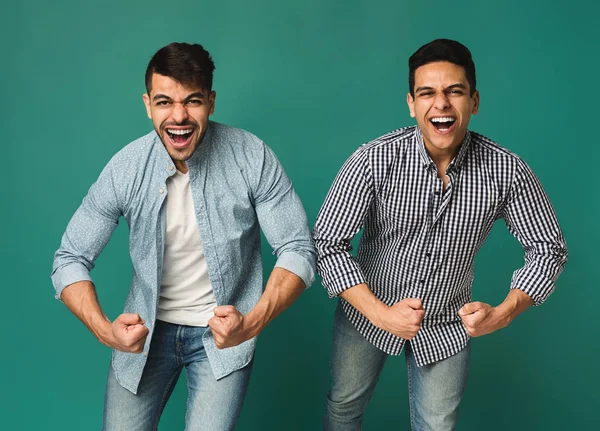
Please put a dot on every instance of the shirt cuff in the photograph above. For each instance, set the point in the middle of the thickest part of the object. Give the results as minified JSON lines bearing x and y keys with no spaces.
{"x":297,"y":264}
{"x":67,"y":275}
{"x":335,"y":286}
{"x":537,"y":296}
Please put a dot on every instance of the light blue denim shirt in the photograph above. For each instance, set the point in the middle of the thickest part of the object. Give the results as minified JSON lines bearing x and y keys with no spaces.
{"x":238,"y":187}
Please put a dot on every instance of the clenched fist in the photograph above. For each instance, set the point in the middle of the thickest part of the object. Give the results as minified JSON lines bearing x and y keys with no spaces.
{"x":480,"y":318}
{"x":404,"y":318}
{"x":227,"y":326}
{"x":129,"y":333}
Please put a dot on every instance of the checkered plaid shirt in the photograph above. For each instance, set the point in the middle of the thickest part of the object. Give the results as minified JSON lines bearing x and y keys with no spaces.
{"x":420,"y":240}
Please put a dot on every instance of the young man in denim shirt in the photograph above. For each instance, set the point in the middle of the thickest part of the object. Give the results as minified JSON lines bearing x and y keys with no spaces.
{"x":195,"y":195}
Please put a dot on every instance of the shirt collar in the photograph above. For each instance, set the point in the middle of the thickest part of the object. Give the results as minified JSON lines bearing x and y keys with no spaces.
{"x":456,"y":162}
{"x":200,"y":152}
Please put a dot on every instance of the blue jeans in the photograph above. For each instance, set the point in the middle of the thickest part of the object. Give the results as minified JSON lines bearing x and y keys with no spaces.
{"x":212,"y":404}
{"x":435,"y":390}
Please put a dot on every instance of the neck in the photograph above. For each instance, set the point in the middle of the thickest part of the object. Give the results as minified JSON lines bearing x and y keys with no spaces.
{"x":441,"y":157}
{"x":181,"y":166}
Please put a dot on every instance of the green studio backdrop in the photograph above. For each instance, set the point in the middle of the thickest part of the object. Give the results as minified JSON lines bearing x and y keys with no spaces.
{"x":314,"y":79}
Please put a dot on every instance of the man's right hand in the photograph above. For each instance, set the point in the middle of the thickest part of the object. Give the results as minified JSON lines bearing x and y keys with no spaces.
{"x":402,"y":319}
{"x":128,"y":333}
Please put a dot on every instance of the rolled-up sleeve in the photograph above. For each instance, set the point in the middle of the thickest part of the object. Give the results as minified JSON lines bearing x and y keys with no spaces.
{"x":340,"y":218}
{"x":87,"y":233}
{"x":531,"y":219}
{"x":282,"y":218}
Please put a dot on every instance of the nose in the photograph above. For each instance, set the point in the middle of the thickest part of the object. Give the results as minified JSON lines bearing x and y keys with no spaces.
{"x":179,"y":113}
{"x":441,"y":101}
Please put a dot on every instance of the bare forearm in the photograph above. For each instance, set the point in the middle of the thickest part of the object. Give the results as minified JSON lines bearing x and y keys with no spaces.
{"x":283,"y":288}
{"x":402,"y":319}
{"x":480,"y":318}
{"x":365,"y":301}
{"x":82,"y":300}
{"x":515,"y":303}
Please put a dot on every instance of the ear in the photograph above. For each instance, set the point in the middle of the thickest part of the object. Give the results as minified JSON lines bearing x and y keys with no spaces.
{"x":211,"y":99}
{"x":411,"y":105}
{"x":146,"y":99}
{"x":475,"y":102}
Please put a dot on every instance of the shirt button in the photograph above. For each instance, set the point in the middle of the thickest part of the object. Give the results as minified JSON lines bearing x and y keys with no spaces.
{"x":437,"y":193}
{"x":170,"y":168}
{"x":145,"y":354}
{"x":428,"y":254}
{"x":161,"y":191}
{"x":422,"y":281}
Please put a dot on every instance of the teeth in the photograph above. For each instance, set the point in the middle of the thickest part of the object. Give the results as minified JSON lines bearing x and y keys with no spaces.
{"x":179,"y":132}
{"x":442,"y":119}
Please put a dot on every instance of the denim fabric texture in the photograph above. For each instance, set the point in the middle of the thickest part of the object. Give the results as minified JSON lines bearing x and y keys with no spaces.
{"x":238,"y":188}
{"x":212,"y":404}
{"x":435,"y":390}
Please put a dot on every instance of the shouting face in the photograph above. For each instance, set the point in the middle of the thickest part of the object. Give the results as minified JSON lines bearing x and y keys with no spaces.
{"x":442,"y":105}
{"x":180,"y":116}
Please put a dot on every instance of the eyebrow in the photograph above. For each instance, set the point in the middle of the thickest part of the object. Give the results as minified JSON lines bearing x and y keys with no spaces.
{"x":161,"y":96}
{"x":458,"y":85}
{"x":423,"y":88}
{"x":197,"y":94}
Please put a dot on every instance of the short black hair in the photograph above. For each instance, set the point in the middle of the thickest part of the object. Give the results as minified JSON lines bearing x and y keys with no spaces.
{"x":190,"y":65}
{"x":442,"y":50}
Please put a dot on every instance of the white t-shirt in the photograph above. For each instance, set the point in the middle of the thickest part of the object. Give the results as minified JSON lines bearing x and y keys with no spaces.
{"x":186,"y":295}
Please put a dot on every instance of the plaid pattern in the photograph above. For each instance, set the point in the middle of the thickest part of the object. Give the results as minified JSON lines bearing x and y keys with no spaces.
{"x":420,"y":241}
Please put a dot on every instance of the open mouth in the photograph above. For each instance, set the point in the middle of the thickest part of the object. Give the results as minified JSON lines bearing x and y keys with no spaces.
{"x":443,"y":124}
{"x":180,"y":138}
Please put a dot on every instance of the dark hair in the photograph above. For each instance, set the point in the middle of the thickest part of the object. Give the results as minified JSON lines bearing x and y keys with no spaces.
{"x":442,"y":50}
{"x":190,"y":65}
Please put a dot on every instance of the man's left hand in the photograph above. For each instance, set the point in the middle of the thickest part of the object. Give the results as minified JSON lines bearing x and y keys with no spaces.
{"x":227,"y":326}
{"x":480,"y":318}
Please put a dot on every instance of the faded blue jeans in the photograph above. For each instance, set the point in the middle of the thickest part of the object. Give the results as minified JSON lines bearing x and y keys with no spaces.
{"x":212,"y":405}
{"x":435,"y":390}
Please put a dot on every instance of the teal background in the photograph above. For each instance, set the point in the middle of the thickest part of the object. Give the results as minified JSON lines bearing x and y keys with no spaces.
{"x":314,"y":79}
